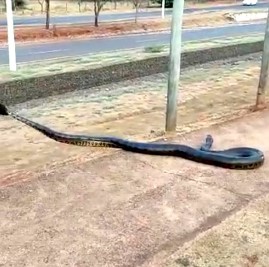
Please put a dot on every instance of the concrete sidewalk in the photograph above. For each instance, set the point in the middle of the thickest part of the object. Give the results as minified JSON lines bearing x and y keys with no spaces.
{"x":128,"y":209}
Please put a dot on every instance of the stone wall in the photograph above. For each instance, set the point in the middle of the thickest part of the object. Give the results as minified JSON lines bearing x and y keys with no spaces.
{"x":19,"y":91}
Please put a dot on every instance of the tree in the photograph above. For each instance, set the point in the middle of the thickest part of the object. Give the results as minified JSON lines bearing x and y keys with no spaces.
{"x":115,"y":4}
{"x":137,"y":4}
{"x":16,"y":4}
{"x":47,"y":14}
{"x":168,"y":3}
{"x":41,"y":3}
{"x":79,"y":5}
{"x":98,"y":5}
{"x":263,"y":82}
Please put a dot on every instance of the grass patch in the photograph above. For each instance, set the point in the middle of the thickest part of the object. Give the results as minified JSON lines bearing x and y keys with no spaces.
{"x":155,"y":49}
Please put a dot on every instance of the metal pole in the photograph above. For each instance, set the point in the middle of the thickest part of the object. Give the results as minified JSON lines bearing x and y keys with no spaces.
{"x":174,"y":65}
{"x":263,"y":82}
{"x":11,"y":38}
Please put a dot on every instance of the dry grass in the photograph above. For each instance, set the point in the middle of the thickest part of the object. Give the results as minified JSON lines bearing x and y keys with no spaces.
{"x":38,"y":33}
{"x":71,"y":7}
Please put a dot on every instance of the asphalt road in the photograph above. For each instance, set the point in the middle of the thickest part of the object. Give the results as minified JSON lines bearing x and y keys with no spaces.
{"x":33,"y":52}
{"x":19,"y":21}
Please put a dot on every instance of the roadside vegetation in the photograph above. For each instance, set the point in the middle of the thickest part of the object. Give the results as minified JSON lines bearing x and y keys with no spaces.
{"x":60,"y":7}
{"x":94,"y":28}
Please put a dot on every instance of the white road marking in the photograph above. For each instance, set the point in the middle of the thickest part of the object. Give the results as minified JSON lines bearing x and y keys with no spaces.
{"x":145,"y":40}
{"x":47,"y":52}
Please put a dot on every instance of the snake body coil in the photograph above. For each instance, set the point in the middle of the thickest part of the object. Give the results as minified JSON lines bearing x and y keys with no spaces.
{"x":234,"y":158}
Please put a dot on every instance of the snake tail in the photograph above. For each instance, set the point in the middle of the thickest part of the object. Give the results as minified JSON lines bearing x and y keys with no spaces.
{"x":3,"y":110}
{"x":71,"y":139}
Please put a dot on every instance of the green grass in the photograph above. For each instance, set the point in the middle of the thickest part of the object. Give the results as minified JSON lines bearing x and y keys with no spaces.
{"x":86,"y":62}
{"x":154,"y":49}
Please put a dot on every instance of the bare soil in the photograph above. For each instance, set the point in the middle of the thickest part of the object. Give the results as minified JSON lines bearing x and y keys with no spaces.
{"x":107,"y":29}
{"x":76,"y":206}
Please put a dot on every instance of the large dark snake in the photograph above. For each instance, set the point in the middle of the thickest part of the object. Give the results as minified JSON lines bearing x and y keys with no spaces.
{"x":234,"y":158}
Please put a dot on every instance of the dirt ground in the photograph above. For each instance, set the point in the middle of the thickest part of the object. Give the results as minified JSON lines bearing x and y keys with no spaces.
{"x":203,"y":99}
{"x":241,"y":240}
{"x":128,"y":209}
{"x":69,"y":206}
{"x":107,"y":29}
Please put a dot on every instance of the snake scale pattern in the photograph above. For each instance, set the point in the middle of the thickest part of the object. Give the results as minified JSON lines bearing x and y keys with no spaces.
{"x":235,"y":158}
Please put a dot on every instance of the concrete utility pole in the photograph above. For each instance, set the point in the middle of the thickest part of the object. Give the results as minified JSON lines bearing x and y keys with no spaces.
{"x":174,"y":65}
{"x":11,"y":38}
{"x":263,"y":82}
{"x":163,"y":8}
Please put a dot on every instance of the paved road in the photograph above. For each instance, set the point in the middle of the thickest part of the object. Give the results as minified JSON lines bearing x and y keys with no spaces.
{"x":27,"y":53}
{"x":119,"y":16}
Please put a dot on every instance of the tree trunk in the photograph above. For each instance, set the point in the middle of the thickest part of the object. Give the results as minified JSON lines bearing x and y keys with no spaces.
{"x":47,"y":14}
{"x":96,"y":12}
{"x":136,"y":13}
{"x":96,"y":20}
{"x":41,"y":3}
{"x":13,"y":5}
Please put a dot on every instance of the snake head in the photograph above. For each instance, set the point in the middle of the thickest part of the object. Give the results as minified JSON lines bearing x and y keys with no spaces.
{"x":209,"y":139}
{"x":3,"y":110}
